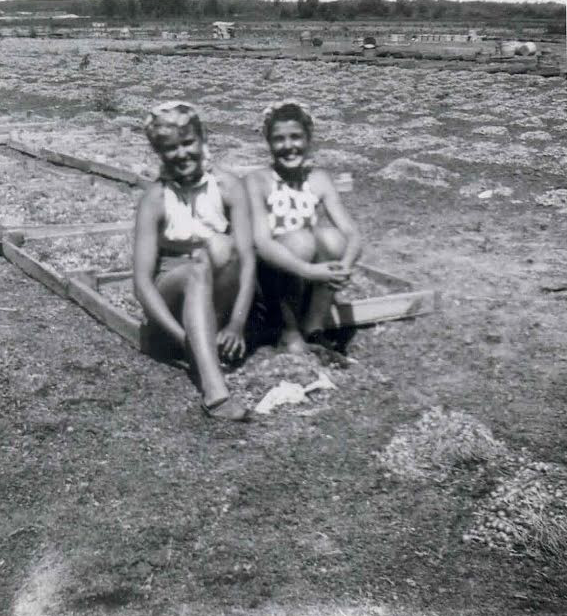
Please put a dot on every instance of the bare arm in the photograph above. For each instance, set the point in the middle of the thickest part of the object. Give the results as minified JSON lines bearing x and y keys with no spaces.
{"x":323,"y":184}
{"x":235,"y":197}
{"x":145,"y":258}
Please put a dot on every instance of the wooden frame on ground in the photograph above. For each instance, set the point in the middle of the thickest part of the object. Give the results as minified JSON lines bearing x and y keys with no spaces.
{"x":399,"y":301}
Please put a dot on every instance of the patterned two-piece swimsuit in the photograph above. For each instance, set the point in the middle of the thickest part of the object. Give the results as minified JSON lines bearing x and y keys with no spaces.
{"x":290,"y":209}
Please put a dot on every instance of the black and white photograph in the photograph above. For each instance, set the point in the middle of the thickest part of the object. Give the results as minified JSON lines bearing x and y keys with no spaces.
{"x":283,"y":308}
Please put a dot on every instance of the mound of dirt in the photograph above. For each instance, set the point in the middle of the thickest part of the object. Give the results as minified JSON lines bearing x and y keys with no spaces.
{"x":409,"y":170}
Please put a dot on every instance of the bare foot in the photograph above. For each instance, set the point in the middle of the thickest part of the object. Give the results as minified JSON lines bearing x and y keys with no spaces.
{"x":225,"y":409}
{"x":292,"y":342}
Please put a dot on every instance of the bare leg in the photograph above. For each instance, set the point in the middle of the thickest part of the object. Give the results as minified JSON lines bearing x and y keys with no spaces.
{"x":330,"y":246}
{"x":187,"y":290}
{"x":226,"y":269}
{"x":198,"y":318}
{"x":292,"y":290}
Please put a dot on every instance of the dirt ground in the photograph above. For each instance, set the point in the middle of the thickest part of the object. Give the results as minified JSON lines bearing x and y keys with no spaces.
{"x":120,"y":497}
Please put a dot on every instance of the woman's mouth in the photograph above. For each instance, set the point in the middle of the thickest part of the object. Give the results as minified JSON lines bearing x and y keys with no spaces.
{"x":291,"y":158}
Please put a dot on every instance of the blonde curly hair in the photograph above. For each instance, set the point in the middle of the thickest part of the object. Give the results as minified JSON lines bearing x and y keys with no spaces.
{"x":171,"y":116}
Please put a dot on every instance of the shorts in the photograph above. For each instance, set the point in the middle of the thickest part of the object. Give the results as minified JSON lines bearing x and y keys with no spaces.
{"x":168,"y":262}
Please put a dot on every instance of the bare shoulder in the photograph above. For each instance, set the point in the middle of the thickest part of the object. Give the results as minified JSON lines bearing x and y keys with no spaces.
{"x":320,"y":180}
{"x":320,"y":176}
{"x":259,"y":177}
{"x":152,"y":200}
{"x":230,"y":185}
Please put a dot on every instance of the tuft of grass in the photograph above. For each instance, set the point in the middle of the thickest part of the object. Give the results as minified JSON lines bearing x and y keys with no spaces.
{"x":526,"y":512}
{"x":438,"y":442}
{"x":106,"y":100}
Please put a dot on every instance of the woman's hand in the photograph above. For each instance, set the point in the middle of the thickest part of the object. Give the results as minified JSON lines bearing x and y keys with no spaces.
{"x":332,"y":272}
{"x":230,"y":341}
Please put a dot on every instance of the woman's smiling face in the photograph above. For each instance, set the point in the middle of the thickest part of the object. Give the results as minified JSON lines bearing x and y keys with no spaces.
{"x":182,"y":153}
{"x":289,"y":144}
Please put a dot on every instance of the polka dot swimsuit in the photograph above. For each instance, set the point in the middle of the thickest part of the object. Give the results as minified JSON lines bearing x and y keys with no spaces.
{"x":290,"y":209}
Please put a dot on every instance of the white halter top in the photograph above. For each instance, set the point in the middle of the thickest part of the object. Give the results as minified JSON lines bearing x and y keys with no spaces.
{"x":191,"y":218}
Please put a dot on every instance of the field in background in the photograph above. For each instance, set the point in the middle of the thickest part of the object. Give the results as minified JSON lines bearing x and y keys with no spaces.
{"x":430,"y":483}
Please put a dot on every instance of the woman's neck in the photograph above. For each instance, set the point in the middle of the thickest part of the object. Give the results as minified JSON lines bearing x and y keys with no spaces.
{"x":291,"y":176}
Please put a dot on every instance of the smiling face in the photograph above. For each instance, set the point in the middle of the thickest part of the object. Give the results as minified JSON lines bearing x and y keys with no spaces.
{"x":289,"y":144}
{"x":181,"y":150}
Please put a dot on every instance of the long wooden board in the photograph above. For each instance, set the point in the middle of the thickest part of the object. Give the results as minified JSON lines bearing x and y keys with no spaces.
{"x":37,"y":232}
{"x":96,"y":305}
{"x":83,"y":288}
{"x":32,"y":267}
{"x":384,"y":308}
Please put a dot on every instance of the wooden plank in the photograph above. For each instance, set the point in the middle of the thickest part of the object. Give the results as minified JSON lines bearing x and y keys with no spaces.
{"x":113,"y":277}
{"x":51,"y":231}
{"x":385,"y":308}
{"x":383,"y":278}
{"x":114,"y":173}
{"x":24,"y":148}
{"x":37,"y":270}
{"x":65,"y":160}
{"x":68,"y":160}
{"x":4,"y":138}
{"x":15,"y":125}
{"x":115,"y":319}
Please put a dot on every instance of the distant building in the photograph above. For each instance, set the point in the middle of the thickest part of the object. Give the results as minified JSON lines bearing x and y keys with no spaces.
{"x":223,"y":30}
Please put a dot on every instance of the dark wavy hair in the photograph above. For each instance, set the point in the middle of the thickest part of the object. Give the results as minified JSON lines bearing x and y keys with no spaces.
{"x":284,"y":113}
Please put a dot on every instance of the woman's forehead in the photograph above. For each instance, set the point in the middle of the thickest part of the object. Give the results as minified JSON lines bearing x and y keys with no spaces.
{"x":174,"y":134}
{"x":287,"y":126}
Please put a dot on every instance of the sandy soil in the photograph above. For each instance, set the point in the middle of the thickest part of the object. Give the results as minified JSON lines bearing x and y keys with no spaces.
{"x":121,"y":498}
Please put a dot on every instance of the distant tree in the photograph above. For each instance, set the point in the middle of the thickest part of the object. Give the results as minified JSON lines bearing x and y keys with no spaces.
{"x":109,"y":8}
{"x":132,"y":9}
{"x":307,"y":9}
{"x":403,"y":8}
{"x":213,"y":8}
{"x":163,"y":8}
{"x":378,"y":8}
{"x":423,"y":9}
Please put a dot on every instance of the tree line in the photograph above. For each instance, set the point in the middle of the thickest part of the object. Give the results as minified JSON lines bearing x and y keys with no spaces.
{"x":420,"y":10}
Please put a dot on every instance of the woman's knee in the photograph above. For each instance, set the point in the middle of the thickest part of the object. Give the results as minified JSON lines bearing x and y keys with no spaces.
{"x":331,"y":244}
{"x":199,"y":270}
{"x":221,"y":250}
{"x":302,"y":243}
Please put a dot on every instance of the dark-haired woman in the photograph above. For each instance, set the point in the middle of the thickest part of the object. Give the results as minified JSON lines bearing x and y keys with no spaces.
{"x":303,"y":261}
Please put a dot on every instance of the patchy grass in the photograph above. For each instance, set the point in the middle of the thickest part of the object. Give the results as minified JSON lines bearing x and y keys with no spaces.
{"x":357,"y":501}
{"x":437,"y":443}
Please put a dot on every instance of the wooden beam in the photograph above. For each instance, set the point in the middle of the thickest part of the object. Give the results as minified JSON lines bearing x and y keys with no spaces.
{"x":117,"y":320}
{"x":37,"y":270}
{"x":385,"y":308}
{"x":65,"y":160}
{"x":383,"y":278}
{"x":114,"y":173}
{"x":24,"y":148}
{"x":37,"y":232}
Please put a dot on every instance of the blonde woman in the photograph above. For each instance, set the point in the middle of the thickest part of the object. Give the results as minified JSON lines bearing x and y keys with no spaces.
{"x":194,"y":265}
